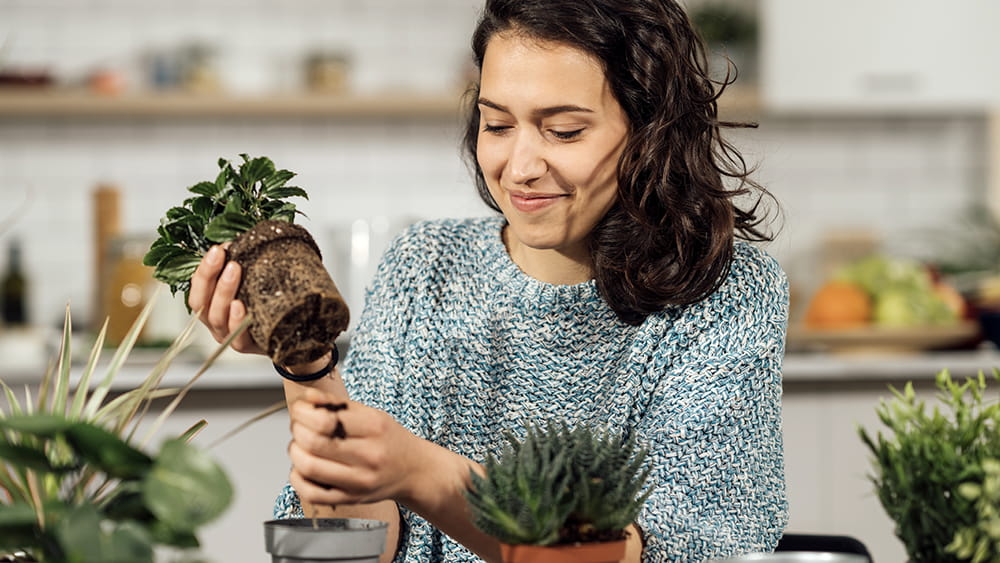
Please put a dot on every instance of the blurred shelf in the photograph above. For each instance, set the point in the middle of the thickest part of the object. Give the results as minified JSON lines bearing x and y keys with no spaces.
{"x":42,"y":103}
{"x":20,"y":103}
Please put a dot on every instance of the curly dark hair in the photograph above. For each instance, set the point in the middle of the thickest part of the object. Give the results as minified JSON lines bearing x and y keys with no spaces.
{"x":668,"y":239}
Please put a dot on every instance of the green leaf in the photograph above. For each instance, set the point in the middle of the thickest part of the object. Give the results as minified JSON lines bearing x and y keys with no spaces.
{"x":256,"y":169}
{"x":157,"y":252}
{"x":27,"y":457}
{"x":186,"y":488}
{"x":85,"y":537}
{"x":108,"y":452}
{"x":18,"y":526}
{"x":228,"y":226}
{"x":38,"y":424}
{"x":209,"y":189}
{"x":222,"y":210}
{"x":276,"y":180}
{"x":128,"y":504}
{"x":281,"y":193}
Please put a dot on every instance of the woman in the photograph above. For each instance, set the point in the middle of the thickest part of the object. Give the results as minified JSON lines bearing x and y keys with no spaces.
{"x":609,"y":289}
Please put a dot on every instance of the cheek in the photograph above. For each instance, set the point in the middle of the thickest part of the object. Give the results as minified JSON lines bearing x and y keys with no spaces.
{"x":489,"y":157}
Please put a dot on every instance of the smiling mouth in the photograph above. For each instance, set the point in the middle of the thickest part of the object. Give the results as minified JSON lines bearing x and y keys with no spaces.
{"x":529,"y":202}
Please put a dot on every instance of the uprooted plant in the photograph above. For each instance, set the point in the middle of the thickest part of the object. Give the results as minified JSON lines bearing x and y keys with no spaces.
{"x":297,"y":311}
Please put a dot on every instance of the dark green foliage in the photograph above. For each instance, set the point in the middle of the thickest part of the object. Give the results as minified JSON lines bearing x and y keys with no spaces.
{"x":221,"y":210}
{"x":722,"y":23}
{"x":560,"y":486}
{"x":921,"y":470}
{"x":154,"y":500}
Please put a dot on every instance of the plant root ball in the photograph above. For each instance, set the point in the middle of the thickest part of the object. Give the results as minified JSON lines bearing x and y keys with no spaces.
{"x":297,"y":310}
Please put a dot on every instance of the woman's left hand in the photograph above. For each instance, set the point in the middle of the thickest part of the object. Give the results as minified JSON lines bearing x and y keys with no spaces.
{"x":344,"y":452}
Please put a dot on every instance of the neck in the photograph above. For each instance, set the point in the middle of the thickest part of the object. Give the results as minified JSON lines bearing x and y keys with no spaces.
{"x":557,"y":267}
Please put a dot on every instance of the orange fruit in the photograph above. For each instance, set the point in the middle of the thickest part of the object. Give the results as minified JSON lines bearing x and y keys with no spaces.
{"x":839,"y":304}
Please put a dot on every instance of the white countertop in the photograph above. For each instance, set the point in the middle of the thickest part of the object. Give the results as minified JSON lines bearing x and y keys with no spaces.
{"x":237,"y":371}
{"x":902,"y":366}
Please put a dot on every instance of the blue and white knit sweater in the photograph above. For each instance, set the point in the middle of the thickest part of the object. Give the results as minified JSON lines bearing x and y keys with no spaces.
{"x":459,"y":345}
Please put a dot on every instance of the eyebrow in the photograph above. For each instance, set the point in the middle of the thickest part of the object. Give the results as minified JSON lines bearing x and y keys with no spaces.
{"x":540,"y":112}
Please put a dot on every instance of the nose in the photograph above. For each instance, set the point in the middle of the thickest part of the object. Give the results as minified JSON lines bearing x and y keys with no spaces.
{"x":526,"y":161}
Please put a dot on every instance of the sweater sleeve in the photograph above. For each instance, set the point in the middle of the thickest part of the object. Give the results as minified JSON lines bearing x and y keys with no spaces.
{"x":713,"y":426}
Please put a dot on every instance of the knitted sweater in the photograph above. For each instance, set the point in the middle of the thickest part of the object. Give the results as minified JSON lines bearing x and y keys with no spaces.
{"x":459,"y":345}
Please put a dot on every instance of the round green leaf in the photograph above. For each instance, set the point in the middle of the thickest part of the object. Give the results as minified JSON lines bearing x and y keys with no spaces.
{"x":107,"y":452}
{"x":186,"y":488}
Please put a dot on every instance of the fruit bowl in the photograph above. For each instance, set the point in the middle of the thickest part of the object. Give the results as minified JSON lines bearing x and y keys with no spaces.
{"x":873,"y":339}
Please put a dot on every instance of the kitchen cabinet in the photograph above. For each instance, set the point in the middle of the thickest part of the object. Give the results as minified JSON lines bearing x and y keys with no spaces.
{"x":884,"y":55}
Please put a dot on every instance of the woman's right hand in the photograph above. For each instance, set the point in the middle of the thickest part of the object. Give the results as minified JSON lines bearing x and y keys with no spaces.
{"x":213,"y":295}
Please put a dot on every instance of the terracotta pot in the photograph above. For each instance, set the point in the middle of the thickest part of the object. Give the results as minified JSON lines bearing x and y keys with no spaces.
{"x":342,"y":540}
{"x":297,"y":310}
{"x":596,"y":552}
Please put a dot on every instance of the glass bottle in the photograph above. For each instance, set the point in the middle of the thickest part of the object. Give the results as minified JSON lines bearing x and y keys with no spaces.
{"x":14,"y":289}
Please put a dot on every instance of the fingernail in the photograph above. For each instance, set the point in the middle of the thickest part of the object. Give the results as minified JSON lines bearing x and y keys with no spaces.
{"x":229,"y":274}
{"x":213,"y":256}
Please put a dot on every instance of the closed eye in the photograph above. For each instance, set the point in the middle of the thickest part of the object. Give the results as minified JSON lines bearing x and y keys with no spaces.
{"x":495,"y":129}
{"x":567,"y":135}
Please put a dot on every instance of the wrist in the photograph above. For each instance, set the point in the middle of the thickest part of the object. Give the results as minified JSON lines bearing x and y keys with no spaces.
{"x":440,"y":479}
{"x":311,"y":371}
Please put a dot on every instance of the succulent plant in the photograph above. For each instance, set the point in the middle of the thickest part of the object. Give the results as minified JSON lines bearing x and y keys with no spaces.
{"x":560,"y":485}
{"x":221,"y":210}
{"x":927,"y":471}
{"x":74,"y":484}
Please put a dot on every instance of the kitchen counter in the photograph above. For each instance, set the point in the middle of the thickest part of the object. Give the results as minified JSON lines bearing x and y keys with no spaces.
{"x":235,"y":371}
{"x":831,"y":367}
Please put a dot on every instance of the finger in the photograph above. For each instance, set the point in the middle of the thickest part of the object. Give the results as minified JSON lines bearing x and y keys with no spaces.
{"x":352,"y":451}
{"x":321,"y":416}
{"x":225,"y":292}
{"x":313,"y":493}
{"x":329,"y":474}
{"x":203,"y":280}
{"x":244,"y":342}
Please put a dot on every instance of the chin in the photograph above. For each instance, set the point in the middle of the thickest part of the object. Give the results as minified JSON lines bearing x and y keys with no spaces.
{"x":536,"y":239}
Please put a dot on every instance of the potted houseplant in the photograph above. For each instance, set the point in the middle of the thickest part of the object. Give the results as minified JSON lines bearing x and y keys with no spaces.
{"x":76,"y":486}
{"x":296,"y":310}
{"x":937,"y":474}
{"x":561,"y":494}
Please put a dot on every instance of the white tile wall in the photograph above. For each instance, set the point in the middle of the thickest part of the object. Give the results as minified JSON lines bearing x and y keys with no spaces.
{"x":895,"y":176}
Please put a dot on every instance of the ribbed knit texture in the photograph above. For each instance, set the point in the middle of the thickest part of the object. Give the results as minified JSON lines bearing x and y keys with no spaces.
{"x":459,"y":345}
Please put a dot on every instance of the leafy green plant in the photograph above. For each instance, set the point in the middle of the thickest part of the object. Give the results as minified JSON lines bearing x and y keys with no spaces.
{"x":220,"y":211}
{"x":925,"y":471}
{"x":981,"y":542}
{"x":560,"y":485}
{"x":75,"y":485}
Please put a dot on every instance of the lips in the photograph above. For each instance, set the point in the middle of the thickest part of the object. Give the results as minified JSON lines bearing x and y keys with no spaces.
{"x":531,"y":202}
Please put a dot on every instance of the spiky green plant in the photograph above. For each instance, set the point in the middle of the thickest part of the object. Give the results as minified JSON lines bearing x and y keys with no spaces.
{"x":221,"y":210}
{"x":77,"y":487}
{"x":560,"y":485}
{"x":925,"y":470}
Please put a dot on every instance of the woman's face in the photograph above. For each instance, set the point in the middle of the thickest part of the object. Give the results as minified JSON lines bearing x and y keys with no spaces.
{"x":551,"y":134}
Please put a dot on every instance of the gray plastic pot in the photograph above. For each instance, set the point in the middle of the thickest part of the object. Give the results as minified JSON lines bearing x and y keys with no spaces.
{"x":343,"y":540}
